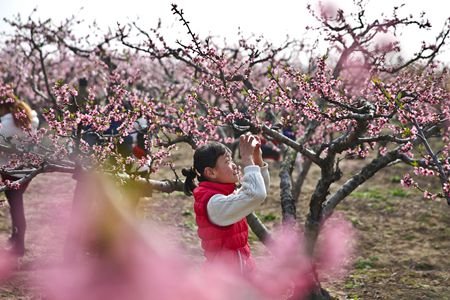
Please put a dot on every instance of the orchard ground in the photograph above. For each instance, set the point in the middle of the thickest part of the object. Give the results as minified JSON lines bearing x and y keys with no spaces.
{"x":402,"y":246}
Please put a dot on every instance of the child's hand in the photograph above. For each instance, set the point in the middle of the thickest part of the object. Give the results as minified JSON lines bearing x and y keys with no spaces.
{"x":257,"y":153}
{"x":247,"y":145}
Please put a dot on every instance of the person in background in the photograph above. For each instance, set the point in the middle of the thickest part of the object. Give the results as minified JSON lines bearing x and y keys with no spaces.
{"x":16,"y":118}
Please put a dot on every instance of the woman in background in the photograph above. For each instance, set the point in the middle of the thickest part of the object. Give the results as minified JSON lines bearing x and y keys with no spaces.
{"x":16,"y":118}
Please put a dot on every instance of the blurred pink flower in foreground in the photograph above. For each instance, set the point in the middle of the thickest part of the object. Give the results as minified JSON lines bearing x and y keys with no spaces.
{"x":334,"y":247}
{"x":118,"y":260}
{"x":8,"y":263}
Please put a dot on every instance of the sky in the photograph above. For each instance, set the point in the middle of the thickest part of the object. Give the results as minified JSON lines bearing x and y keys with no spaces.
{"x":273,"y":19}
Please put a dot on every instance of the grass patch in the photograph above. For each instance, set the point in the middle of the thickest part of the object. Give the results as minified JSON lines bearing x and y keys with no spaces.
{"x":355,"y":221}
{"x":408,"y":237}
{"x":178,"y":194}
{"x":364,"y":264}
{"x":370,"y":194}
{"x":380,"y":199}
{"x":270,"y":217}
{"x":187,"y":213}
{"x":354,"y":297}
{"x":423,"y":266}
{"x":399,"y":192}
{"x":389,"y":208}
{"x":190,"y":225}
{"x":395,"y":179}
{"x":354,"y":281}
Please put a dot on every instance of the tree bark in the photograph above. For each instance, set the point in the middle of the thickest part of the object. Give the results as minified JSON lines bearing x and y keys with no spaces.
{"x":313,"y":222}
{"x":288,"y":209}
{"x":258,"y":228}
{"x":298,"y":185}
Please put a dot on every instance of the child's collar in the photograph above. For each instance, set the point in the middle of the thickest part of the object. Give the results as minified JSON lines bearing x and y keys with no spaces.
{"x":224,"y":188}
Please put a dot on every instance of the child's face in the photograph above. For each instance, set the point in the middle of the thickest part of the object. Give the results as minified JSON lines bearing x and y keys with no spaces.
{"x":225,"y":170}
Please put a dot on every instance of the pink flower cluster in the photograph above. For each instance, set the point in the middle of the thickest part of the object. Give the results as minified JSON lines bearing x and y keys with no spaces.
{"x":424,"y":171}
{"x":407,"y":181}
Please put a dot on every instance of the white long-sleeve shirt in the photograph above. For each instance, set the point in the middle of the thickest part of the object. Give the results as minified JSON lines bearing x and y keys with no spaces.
{"x":226,"y":210}
{"x":9,"y":129}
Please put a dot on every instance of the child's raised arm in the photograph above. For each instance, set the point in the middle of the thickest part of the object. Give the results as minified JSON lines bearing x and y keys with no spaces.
{"x":247,"y":145}
{"x":226,"y":210}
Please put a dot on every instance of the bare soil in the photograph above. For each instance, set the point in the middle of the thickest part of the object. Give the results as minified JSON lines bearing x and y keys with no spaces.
{"x":402,"y":248}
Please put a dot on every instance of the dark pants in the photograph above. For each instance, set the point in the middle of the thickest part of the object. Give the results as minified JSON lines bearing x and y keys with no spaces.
{"x":19,"y":224}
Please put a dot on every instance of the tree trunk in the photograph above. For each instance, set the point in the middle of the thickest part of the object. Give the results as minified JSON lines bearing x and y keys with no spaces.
{"x":314,"y":219}
{"x":258,"y":228}
{"x":298,"y":185}
{"x":288,"y":208}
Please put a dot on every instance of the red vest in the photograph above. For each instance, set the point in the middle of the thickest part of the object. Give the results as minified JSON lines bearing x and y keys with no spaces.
{"x":220,"y":241}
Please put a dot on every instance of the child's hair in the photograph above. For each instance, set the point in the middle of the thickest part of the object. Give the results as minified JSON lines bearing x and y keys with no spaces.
{"x":204,"y":156}
{"x":22,"y":113}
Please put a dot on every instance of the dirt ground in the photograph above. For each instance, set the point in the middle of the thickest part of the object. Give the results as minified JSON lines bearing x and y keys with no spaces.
{"x":402,"y":248}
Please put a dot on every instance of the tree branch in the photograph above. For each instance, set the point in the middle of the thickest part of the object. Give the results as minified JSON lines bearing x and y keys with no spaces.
{"x":285,"y":140}
{"x":350,"y":185}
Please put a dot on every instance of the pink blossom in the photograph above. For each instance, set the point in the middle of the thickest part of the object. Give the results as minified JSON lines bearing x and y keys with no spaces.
{"x":407,"y":181}
{"x":429,"y":196}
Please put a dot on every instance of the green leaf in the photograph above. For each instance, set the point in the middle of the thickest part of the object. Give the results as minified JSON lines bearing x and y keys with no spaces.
{"x":406,"y":132}
{"x":269,"y":72}
{"x":59,"y":83}
{"x":400,"y":95}
{"x":376,"y":81}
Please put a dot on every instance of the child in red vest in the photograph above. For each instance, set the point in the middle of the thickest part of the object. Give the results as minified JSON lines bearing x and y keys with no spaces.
{"x":220,"y":209}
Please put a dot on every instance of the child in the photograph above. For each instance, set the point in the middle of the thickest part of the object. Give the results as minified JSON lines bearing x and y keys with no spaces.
{"x":220,"y":210}
{"x":16,"y":117}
